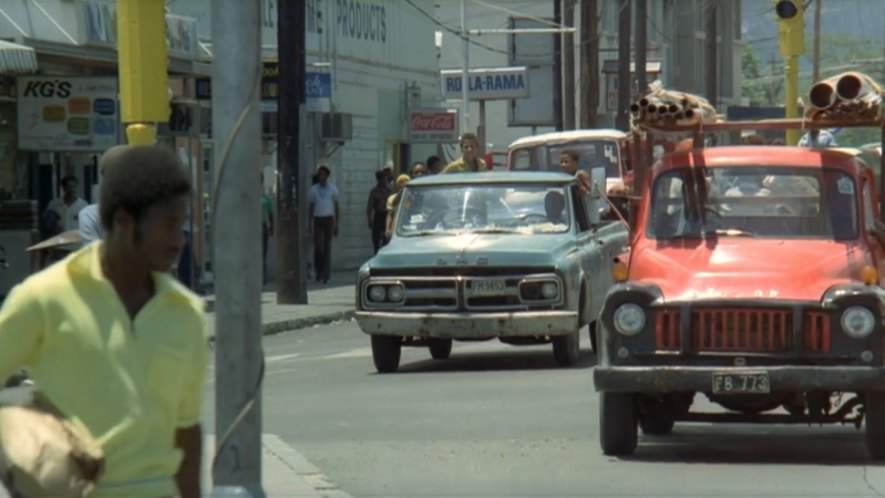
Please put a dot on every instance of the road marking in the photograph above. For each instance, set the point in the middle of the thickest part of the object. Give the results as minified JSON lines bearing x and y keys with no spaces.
{"x":282,"y":357}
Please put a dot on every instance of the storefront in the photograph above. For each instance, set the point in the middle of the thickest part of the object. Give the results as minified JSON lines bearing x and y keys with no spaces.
{"x":58,"y":119}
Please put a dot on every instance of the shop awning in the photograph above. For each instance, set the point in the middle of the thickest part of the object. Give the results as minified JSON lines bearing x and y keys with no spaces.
{"x":16,"y":58}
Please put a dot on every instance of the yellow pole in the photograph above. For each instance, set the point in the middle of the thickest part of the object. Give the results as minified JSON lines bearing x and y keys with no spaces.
{"x":791,"y":67}
{"x":791,"y":38}
{"x":144,"y":83}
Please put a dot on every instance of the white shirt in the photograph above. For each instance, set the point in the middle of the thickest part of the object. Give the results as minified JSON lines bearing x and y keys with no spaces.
{"x":67,"y":214}
{"x":90,"y":224}
{"x":323,"y":199}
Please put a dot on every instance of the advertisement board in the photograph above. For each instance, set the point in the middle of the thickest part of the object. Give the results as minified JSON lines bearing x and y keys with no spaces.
{"x":67,"y":114}
{"x":433,"y":126}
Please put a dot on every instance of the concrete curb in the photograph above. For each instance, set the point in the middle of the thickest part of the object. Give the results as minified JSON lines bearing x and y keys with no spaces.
{"x":281,"y":326}
{"x":301,"y":466}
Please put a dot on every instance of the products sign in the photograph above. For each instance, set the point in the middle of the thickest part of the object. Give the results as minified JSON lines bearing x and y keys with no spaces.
{"x":433,"y":125}
{"x":67,"y":114}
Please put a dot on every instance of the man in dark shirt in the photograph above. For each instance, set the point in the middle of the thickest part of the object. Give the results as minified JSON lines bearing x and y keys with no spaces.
{"x":376,"y":210}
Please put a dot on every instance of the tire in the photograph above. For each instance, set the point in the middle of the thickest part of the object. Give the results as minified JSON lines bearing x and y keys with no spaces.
{"x":440,"y":349}
{"x":567,"y":349}
{"x":386,"y":353}
{"x":874,"y":419}
{"x":618,"y":433}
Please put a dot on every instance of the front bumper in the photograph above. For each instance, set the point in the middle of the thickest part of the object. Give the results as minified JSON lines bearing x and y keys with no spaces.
{"x":662,"y":379}
{"x":468,"y":325}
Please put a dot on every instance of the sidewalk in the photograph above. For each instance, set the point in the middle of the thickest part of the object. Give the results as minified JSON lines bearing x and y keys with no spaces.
{"x":327,"y":303}
{"x":285,"y":472}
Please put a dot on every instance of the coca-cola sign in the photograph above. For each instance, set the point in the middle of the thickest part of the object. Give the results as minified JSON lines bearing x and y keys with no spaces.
{"x":433,"y":125}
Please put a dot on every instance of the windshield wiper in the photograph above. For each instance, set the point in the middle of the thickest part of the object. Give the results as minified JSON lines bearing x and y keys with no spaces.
{"x":426,"y":233}
{"x":496,"y":230}
{"x":730,"y":232}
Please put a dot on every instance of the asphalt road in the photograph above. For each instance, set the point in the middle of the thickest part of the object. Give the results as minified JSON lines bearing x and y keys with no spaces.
{"x":503,"y":421}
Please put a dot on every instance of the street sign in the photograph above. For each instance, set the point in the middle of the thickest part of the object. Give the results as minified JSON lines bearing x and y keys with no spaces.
{"x":318,"y":92}
{"x":433,"y":126}
{"x":500,"y":83}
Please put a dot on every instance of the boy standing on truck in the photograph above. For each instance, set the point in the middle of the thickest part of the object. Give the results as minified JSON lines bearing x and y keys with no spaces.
{"x":568,"y":164}
{"x":469,"y":161}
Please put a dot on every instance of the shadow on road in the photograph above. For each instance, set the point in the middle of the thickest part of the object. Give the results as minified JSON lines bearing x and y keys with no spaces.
{"x":753,"y":445}
{"x":514,"y":359}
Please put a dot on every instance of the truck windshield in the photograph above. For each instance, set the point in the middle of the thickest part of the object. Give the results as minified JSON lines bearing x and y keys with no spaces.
{"x":780,"y":202}
{"x":594,"y":153}
{"x":450,"y":209}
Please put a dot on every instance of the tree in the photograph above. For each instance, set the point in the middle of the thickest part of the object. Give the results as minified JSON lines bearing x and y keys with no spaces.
{"x":761,"y":89}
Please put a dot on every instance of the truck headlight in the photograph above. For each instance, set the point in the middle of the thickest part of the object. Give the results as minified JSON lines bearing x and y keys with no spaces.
{"x":395,"y":293}
{"x":377,"y":293}
{"x":550,"y":290}
{"x":629,"y":319}
{"x":858,"y":322}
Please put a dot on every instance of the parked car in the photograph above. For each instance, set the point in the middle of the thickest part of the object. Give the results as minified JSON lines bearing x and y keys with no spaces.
{"x":519,"y":257}
{"x":753,"y":277}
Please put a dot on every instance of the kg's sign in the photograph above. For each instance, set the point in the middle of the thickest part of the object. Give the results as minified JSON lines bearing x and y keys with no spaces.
{"x":500,"y":83}
{"x":433,"y":126}
{"x":60,"y":114}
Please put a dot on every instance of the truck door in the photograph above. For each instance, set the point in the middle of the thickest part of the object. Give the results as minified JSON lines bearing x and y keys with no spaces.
{"x":874,"y":233}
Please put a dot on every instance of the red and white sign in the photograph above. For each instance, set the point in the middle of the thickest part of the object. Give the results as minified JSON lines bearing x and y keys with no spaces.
{"x":433,"y":125}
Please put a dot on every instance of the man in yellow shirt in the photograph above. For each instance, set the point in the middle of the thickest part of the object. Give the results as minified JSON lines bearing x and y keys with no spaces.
{"x":469,"y":161}
{"x":116,"y":343}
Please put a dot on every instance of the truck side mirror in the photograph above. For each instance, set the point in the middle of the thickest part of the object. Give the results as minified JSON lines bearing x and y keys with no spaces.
{"x":599,"y":205}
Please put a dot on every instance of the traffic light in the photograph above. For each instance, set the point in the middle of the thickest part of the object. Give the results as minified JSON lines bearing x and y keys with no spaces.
{"x":791,"y":26}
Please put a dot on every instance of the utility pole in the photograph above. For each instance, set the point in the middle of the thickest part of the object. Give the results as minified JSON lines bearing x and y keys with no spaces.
{"x":557,"y":67}
{"x":465,"y":68}
{"x":589,"y":63}
{"x":291,"y":262}
{"x":712,"y":60}
{"x":568,"y":66}
{"x":622,"y":116}
{"x":236,"y":132}
{"x":815,"y":55}
{"x":641,"y":46}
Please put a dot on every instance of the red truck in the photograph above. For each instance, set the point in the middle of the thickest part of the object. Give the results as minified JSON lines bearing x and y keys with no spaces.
{"x":753,"y":277}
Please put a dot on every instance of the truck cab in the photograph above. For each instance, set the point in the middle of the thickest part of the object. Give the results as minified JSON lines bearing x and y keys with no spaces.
{"x":754,"y":278}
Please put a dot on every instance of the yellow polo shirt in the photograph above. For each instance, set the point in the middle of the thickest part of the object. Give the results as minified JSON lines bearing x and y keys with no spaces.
{"x":460,"y":166}
{"x":132,"y":383}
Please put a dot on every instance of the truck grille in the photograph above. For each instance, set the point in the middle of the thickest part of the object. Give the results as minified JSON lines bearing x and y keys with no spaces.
{"x":492,"y":291}
{"x":741,"y":330}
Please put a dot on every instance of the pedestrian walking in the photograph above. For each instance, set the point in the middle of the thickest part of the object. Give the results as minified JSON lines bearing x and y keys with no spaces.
{"x":323,"y":213}
{"x":64,"y":209}
{"x":267,"y":224}
{"x":376,"y":210}
{"x":393,"y":203}
{"x":434,"y":165}
{"x":113,"y":341}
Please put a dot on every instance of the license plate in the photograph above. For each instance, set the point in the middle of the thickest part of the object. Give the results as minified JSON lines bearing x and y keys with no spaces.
{"x":744,"y":383}
{"x":488,"y":287}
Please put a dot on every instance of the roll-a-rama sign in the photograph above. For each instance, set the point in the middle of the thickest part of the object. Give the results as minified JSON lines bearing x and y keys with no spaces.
{"x":67,"y":114}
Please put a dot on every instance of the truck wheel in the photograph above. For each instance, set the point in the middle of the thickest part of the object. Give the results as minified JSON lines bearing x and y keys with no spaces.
{"x":618,"y":433}
{"x":874,"y":419}
{"x":567,"y":349}
{"x":386,"y":352}
{"x":440,"y":349}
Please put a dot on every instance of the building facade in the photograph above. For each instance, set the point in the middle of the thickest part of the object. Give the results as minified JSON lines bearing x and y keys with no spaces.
{"x":368,"y":62}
